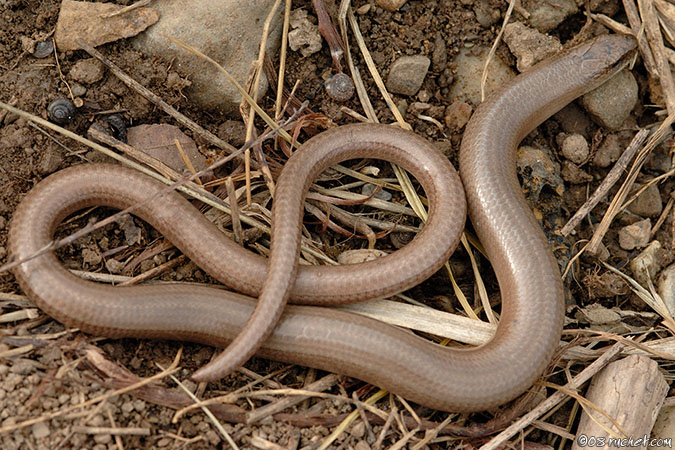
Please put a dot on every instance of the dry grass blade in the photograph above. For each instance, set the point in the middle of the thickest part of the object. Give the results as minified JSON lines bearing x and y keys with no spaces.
{"x":493,"y":49}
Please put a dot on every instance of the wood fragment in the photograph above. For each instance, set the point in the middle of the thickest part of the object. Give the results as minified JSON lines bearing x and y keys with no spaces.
{"x":234,"y":206}
{"x":631,"y":391}
{"x":636,"y":25}
{"x":655,"y":39}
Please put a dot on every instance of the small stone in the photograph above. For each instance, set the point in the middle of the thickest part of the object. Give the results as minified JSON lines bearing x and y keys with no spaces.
{"x":127,"y":407}
{"x":666,"y":287}
{"x":382,"y":194}
{"x":611,"y":103}
{"x":573,"y":174}
{"x":529,"y":45}
{"x":457,"y":115}
{"x":139,"y":405}
{"x":648,"y":204}
{"x":645,"y":266}
{"x":635,"y":235}
{"x":23,"y":367}
{"x":360,"y":255}
{"x":114,"y":266}
{"x":390,"y":5}
{"x":305,"y":35}
{"x":575,"y":148}
{"x":78,"y":90}
{"x":87,"y":71}
{"x":40,"y":430}
{"x":439,"y":58}
{"x":545,"y":16}
{"x":358,"y":430}
{"x":364,"y":9}
{"x":596,"y":314}
{"x":486,"y":15}
{"x":362,"y":445}
{"x":407,"y":74}
{"x":608,"y":152}
{"x":233,"y":131}
{"x":469,"y":64}
{"x":100,"y":438}
{"x":49,"y":162}
{"x":91,"y":257}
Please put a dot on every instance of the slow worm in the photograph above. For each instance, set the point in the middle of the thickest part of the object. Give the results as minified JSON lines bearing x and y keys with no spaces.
{"x":449,"y":379}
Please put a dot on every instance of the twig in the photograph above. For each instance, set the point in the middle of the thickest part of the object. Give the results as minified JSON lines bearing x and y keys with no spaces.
{"x":493,"y":49}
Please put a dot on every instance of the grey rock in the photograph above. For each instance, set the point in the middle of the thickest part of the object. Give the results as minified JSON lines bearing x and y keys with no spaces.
{"x":611,"y":103}
{"x":648,"y":204}
{"x":457,"y":115}
{"x":608,"y":152}
{"x":666,"y":287}
{"x":529,"y":45}
{"x":407,"y":74}
{"x":469,"y":64}
{"x":546,"y":15}
{"x":222,"y":29}
{"x":49,"y":162}
{"x":645,"y":266}
{"x":486,"y":14}
{"x":87,"y":71}
{"x":635,"y":235}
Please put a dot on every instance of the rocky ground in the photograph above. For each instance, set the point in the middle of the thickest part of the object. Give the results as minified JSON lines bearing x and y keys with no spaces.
{"x":430,"y":55}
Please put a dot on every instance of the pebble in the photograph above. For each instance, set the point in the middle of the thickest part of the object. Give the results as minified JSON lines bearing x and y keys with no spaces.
{"x":362,"y":445}
{"x":100,"y":438}
{"x":575,"y":148}
{"x":608,"y":152}
{"x":486,"y":15}
{"x":233,"y":131}
{"x":645,"y":266}
{"x":469,"y":69}
{"x":528,"y":45}
{"x":222,"y":29}
{"x":635,"y":235}
{"x":546,"y":15}
{"x":608,"y":285}
{"x":611,"y":103}
{"x":439,"y":57}
{"x":457,"y":115}
{"x":360,"y":255}
{"x":127,"y":407}
{"x":49,"y":161}
{"x":666,"y":287}
{"x":22,"y":366}
{"x":390,"y":5}
{"x":664,"y":427}
{"x":358,"y":430}
{"x":40,"y":430}
{"x":87,"y":71}
{"x":114,"y":266}
{"x":407,"y":74}
{"x":78,"y":90}
{"x":573,"y":120}
{"x":648,"y":204}
{"x":304,"y":36}
{"x":573,"y":174}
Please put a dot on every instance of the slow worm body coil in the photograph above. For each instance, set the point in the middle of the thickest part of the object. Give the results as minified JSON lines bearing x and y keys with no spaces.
{"x":442,"y":378}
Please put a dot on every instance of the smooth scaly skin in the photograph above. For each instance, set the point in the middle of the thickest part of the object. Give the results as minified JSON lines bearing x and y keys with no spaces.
{"x":442,"y":378}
